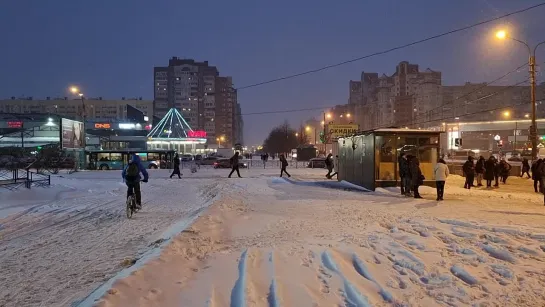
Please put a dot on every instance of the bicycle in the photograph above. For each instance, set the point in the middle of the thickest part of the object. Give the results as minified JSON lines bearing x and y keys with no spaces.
{"x":131,"y":204}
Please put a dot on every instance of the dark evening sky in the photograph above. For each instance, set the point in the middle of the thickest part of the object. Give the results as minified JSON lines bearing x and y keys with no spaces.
{"x":109,"y":48}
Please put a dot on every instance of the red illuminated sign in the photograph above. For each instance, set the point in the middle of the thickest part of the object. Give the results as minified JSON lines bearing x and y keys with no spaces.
{"x":197,"y":134}
{"x":103,"y":126}
{"x":15,"y":124}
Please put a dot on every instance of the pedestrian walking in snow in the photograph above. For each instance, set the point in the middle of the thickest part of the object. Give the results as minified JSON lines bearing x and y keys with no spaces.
{"x":284,"y":165}
{"x":479,"y":170}
{"x":525,"y":168}
{"x":441,"y":173}
{"x":541,"y":171}
{"x":489,"y":171}
{"x":404,"y":174}
{"x":416,"y":176}
{"x":335,"y":167}
{"x":329,"y":165}
{"x":504,"y":170}
{"x":536,"y":175}
{"x":176,"y":170}
{"x":469,"y":172}
{"x":234,"y":165}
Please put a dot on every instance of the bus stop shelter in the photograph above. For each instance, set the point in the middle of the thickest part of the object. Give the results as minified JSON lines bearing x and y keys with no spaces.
{"x":369,"y":159}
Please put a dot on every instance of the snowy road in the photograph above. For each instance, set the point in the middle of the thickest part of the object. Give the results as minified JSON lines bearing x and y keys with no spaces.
{"x":57,"y":251}
{"x":292,"y":243}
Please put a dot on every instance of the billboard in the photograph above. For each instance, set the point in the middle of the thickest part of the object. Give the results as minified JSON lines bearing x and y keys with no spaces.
{"x":72,"y":134}
{"x":337,"y":131}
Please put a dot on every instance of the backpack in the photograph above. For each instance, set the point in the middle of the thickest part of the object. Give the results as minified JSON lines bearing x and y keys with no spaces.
{"x":132,"y":172}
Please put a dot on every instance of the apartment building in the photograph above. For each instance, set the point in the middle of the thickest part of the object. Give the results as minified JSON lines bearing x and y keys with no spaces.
{"x":206,"y":100}
{"x":95,"y":108}
{"x":396,"y":100}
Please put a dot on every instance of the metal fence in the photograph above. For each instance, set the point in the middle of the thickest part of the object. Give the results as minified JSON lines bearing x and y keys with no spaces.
{"x":271,"y":164}
{"x":12,"y":179}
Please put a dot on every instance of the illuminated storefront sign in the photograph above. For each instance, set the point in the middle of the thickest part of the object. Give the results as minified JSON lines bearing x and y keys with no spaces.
{"x":103,"y":126}
{"x":127,"y":126}
{"x":15,"y":124}
{"x":196,"y":134}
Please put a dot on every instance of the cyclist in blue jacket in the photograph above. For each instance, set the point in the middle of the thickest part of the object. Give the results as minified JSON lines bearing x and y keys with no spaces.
{"x":131,"y":177}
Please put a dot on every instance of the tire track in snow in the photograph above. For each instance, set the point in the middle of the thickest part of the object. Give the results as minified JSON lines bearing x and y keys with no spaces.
{"x":353,"y":297}
{"x":360,"y":267}
{"x":272,"y":296}
{"x":238,"y":293}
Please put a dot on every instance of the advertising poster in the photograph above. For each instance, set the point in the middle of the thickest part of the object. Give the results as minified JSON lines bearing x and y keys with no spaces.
{"x":72,"y":134}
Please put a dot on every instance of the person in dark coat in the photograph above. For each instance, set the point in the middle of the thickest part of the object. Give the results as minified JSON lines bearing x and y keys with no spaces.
{"x":176,"y":170}
{"x":234,"y":165}
{"x":329,"y":165}
{"x":479,"y":170}
{"x":489,"y":171}
{"x":497,"y":172}
{"x":416,"y":176}
{"x":536,"y":175}
{"x":404,"y":174}
{"x":541,"y":171}
{"x":469,"y":172}
{"x":284,"y":165}
{"x":505,"y":168}
{"x":525,"y":168}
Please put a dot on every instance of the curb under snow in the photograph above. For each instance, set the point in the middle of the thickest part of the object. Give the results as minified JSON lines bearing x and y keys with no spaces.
{"x":92,"y":298}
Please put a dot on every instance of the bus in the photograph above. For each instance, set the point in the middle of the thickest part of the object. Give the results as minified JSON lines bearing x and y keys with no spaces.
{"x":117,"y":159}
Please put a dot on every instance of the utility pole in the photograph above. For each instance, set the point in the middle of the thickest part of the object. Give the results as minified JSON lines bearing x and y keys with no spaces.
{"x":533,"y":132}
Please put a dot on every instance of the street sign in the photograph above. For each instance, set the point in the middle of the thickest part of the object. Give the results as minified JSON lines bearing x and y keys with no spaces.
{"x":337,"y":131}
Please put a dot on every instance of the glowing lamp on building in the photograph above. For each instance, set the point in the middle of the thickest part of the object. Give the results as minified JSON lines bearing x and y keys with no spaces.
{"x":196,"y":134}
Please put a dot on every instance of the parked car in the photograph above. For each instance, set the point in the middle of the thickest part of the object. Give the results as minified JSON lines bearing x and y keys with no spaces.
{"x":316,"y":163}
{"x":186,"y":157}
{"x":226,"y":163}
{"x":208,"y":161}
{"x":199,"y":157}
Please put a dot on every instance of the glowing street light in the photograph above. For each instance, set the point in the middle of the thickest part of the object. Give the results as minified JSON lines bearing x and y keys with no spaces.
{"x":296,"y":134}
{"x":502,"y":34}
{"x":307,"y":128}
{"x":328,"y":115}
{"x":506,"y":113}
{"x":348,"y":115}
{"x":526,"y":115}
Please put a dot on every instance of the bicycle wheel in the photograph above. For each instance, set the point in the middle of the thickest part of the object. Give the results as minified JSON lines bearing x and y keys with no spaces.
{"x":130,"y":206}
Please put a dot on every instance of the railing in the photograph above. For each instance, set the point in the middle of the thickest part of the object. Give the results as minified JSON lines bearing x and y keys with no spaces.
{"x":260,"y":164}
{"x":14,"y":178}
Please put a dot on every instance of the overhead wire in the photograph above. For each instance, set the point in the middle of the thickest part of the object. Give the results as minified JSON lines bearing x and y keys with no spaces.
{"x":402,"y":99}
{"x":312,"y":71}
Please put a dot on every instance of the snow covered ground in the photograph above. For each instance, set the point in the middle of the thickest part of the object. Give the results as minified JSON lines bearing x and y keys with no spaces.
{"x":266,"y":241}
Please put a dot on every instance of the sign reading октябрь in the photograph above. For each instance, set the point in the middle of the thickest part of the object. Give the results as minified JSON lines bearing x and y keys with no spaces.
{"x":337,"y":131}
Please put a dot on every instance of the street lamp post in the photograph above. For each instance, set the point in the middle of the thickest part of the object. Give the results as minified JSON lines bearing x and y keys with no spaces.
{"x":532,"y":69}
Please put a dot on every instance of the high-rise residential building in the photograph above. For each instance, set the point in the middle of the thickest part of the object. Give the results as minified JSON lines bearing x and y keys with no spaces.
{"x":239,"y":125}
{"x":482,"y":102}
{"x":396,"y":100}
{"x":95,"y":108}
{"x":206,"y":101}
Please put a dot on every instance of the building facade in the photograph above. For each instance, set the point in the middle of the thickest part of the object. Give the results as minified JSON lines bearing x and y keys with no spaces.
{"x":97,"y":109}
{"x":397,"y":100}
{"x":206,"y":100}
